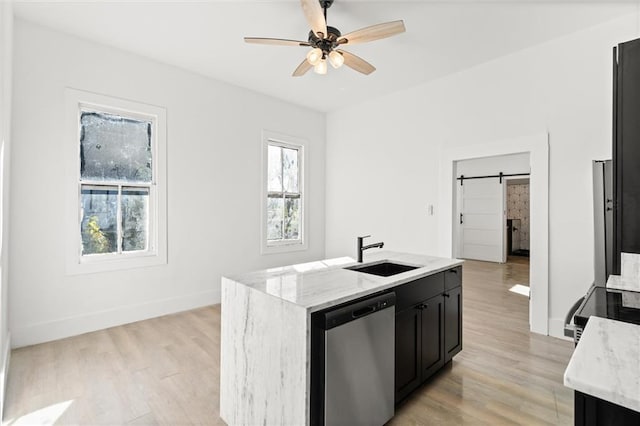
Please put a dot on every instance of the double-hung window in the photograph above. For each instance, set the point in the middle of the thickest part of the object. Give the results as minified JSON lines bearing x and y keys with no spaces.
{"x":120,"y":192}
{"x":283,"y":212}
{"x":116,"y":183}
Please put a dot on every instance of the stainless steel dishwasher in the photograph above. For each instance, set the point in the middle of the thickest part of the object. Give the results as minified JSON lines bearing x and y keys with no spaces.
{"x":359,"y":362}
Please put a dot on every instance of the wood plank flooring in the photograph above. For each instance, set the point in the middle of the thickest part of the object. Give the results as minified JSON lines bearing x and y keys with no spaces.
{"x":166,"y":370}
{"x":504,"y":374}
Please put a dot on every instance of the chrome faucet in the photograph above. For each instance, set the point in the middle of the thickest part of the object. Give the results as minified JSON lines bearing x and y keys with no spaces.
{"x":362,"y":248}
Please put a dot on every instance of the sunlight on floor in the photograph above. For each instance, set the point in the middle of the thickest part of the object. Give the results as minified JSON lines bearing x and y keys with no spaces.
{"x":520,"y":289}
{"x":46,"y":416}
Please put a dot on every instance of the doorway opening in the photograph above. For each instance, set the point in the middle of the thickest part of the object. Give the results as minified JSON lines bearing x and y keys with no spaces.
{"x":518,"y":218}
{"x":492,"y":204}
{"x":537,"y":146}
{"x":493,"y":215}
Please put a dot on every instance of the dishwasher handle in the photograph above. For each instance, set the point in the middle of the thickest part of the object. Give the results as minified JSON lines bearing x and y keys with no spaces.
{"x":353,"y":311}
{"x":363,"y":311}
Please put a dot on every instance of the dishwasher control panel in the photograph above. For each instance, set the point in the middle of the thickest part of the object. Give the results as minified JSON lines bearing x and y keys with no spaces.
{"x":355,"y":310}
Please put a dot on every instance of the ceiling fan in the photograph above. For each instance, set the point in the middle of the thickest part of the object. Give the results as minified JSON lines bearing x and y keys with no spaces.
{"x":325,"y":40}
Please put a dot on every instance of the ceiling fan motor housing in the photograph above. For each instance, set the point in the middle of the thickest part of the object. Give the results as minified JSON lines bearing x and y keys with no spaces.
{"x":328,"y":43}
{"x":326,"y":4}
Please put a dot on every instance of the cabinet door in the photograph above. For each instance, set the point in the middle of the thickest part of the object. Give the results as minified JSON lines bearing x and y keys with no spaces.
{"x":432,"y":335}
{"x":408,"y":341}
{"x":453,"y":278}
{"x":453,"y":322}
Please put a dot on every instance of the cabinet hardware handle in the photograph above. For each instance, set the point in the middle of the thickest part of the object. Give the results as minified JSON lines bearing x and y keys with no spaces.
{"x":454,"y":271}
{"x":445,"y":294}
{"x":422,"y":306}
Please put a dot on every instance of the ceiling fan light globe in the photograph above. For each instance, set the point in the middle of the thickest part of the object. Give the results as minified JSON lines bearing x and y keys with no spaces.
{"x":314,"y":56}
{"x":336,"y":59}
{"x":321,"y":67}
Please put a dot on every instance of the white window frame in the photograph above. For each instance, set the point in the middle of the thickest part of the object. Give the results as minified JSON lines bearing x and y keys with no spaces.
{"x":77,"y":102}
{"x":285,"y":141}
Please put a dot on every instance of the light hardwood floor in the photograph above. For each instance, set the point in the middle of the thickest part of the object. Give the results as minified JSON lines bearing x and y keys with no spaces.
{"x":166,"y":370}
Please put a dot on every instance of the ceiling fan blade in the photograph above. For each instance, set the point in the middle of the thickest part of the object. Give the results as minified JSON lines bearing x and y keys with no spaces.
{"x":356,"y":62}
{"x":275,"y":41}
{"x":302,"y":68}
{"x":315,"y":17}
{"x":374,"y":32}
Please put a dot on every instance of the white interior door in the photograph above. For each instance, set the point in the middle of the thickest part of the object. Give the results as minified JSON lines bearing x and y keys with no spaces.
{"x":482,"y":220}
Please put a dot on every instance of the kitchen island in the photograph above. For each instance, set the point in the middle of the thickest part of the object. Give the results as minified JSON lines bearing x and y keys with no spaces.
{"x":604,"y":370}
{"x":265,"y":372}
{"x":605,"y":373}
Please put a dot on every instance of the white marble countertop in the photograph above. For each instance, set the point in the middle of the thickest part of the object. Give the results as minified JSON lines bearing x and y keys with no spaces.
{"x":317,"y":285}
{"x":606,"y":362}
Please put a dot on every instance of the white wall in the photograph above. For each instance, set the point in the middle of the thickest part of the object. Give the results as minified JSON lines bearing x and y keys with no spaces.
{"x":507,"y":164}
{"x":6,"y":46}
{"x":214,"y":186}
{"x":6,"y":43}
{"x":382,"y":156}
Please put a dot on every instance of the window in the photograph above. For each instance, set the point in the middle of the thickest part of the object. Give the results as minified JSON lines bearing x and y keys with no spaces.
{"x":119,"y":164}
{"x":116,"y":182}
{"x":283,"y":205}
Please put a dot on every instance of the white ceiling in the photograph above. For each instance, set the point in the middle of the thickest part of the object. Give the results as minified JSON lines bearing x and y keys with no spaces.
{"x":206,"y":37}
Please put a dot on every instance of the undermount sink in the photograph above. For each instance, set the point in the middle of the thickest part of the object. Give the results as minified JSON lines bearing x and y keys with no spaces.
{"x":383,"y":269}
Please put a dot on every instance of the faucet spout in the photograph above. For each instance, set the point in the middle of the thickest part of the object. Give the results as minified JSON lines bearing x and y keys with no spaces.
{"x":374,"y":245}
{"x":362,"y":248}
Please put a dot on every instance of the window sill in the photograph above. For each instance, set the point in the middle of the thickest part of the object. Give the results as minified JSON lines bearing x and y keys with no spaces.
{"x":283,"y":248}
{"x":110,"y":264}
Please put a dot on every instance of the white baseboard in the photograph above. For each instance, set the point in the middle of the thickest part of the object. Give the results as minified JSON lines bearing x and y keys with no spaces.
{"x":4,"y":374}
{"x":73,"y":326}
{"x":556,"y":329}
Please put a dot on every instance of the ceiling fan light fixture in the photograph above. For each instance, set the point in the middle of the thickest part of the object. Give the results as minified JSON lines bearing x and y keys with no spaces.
{"x":321,"y":67}
{"x":326,"y":42}
{"x":336,"y":59}
{"x":314,"y":56}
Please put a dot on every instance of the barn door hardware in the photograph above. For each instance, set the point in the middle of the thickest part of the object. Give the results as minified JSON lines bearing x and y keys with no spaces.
{"x":500,"y":176}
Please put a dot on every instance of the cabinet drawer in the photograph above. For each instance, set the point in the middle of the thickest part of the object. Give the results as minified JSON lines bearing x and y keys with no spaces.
{"x":414,"y":292}
{"x":453,"y":278}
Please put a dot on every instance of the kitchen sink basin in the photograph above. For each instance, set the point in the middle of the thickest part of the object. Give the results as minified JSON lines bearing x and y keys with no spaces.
{"x":383,"y":269}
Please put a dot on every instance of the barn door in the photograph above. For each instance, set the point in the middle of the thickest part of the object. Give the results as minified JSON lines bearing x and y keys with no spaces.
{"x":481,"y":219}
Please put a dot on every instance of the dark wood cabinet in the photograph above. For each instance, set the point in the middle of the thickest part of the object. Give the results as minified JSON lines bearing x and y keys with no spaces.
{"x":415,"y":292}
{"x":428,"y":328}
{"x":432,"y":329}
{"x":592,"y":411}
{"x":453,"y":321}
{"x":453,"y":278}
{"x":408,"y":351}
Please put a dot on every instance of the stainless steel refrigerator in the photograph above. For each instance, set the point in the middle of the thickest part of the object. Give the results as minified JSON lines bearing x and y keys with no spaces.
{"x":603,"y":250}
